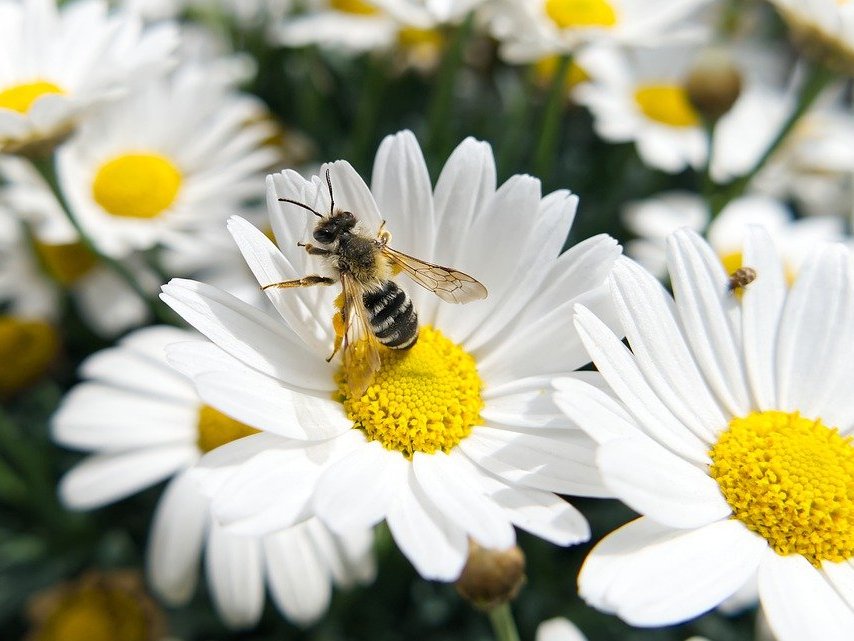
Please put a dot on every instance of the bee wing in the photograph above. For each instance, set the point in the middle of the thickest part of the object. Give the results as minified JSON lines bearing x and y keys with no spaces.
{"x":449,"y":284}
{"x":361,"y":348}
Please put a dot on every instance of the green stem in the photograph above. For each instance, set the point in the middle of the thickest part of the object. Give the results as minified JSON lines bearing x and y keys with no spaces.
{"x":817,"y":79}
{"x":503,"y":625}
{"x":548,"y":138}
{"x":367,"y":112}
{"x":438,"y":119}
{"x":47,"y":171}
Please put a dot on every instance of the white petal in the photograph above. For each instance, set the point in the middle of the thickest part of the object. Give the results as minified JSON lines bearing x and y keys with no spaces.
{"x":355,"y":492}
{"x":299,"y":580}
{"x":659,"y":484}
{"x":436,"y":546}
{"x":841,"y":577}
{"x":559,"y":629}
{"x":655,"y":577}
{"x":249,"y":335}
{"x":799,"y":603}
{"x":175,"y":543}
{"x":235,"y":573}
{"x":762,"y":304}
{"x":451,"y":486}
{"x":660,"y":350}
{"x":816,"y":329}
{"x":706,"y":307}
{"x":563,"y":462}
{"x":617,"y":365}
{"x":105,"y":478}
{"x":598,"y":413}
{"x":262,"y":403}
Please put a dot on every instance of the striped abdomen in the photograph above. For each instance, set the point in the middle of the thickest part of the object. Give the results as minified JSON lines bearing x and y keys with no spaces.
{"x":393,"y":318}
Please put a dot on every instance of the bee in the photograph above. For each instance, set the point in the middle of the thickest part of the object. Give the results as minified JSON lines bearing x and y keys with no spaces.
{"x":741,"y":278}
{"x":372,"y":309}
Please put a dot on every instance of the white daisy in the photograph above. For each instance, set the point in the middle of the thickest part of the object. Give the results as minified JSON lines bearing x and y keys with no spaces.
{"x":465,"y":441}
{"x":429,"y":13}
{"x":531,"y":29}
{"x":559,"y":629}
{"x":160,"y":165}
{"x":642,"y":99}
{"x":145,"y":423}
{"x":654,"y":219}
{"x":823,"y":29}
{"x":732,"y":440}
{"x":60,"y":62}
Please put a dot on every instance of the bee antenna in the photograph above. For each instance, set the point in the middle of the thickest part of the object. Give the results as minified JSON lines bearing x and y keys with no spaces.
{"x":298,"y":204}
{"x":331,"y":197}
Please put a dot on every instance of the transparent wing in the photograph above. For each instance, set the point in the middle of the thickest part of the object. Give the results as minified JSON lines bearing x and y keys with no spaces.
{"x":361,"y":348}
{"x":449,"y":284}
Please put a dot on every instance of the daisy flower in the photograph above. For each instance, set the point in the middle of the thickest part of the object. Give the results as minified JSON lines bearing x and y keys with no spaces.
{"x":144,"y":423}
{"x":654,"y":219}
{"x":642,"y":99}
{"x":732,"y":439}
{"x":160,"y":165}
{"x":62,"y":62}
{"x":456,"y":437}
{"x":822,"y":29}
{"x":531,"y":29}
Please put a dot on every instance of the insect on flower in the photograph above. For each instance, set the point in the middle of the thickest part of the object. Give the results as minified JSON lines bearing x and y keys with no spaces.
{"x":741,"y":278}
{"x":372,"y":309}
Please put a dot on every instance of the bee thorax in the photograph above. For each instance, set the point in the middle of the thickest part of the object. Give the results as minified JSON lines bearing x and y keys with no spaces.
{"x":393,"y":318}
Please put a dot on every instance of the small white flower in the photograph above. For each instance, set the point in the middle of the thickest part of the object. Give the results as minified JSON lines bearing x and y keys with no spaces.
{"x":641,"y":99}
{"x":58,"y":63}
{"x":654,"y":219}
{"x":732,"y":439}
{"x":463,"y":441}
{"x":144,"y":423}
{"x":160,"y":165}
{"x":531,"y":29}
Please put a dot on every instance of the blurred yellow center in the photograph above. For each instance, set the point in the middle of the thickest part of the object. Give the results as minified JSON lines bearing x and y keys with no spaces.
{"x":667,"y":104}
{"x":66,"y":263}
{"x":733,"y":261}
{"x":424,"y":399}
{"x":790,"y":480}
{"x":96,"y":613}
{"x":27,"y":348}
{"x":138,"y":185}
{"x":215,"y":429}
{"x":546,"y":68}
{"x":358,"y":7}
{"x":21,"y":97}
{"x":567,"y":14}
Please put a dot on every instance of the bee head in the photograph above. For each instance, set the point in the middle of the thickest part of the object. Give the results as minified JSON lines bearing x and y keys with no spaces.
{"x":329,"y":229}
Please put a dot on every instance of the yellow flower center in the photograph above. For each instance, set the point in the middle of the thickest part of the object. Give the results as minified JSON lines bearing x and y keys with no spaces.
{"x":137,"y":185}
{"x":733,"y":261}
{"x":215,"y":429}
{"x":546,"y":68}
{"x":790,"y":480}
{"x":358,"y":7}
{"x":66,"y":263}
{"x":567,"y":14}
{"x":97,"y":613}
{"x":423,"y":399}
{"x":21,"y":97}
{"x":27,"y":348}
{"x":667,"y":104}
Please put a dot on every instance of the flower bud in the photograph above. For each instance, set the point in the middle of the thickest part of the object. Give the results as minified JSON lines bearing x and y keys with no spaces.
{"x":491,"y":577}
{"x":713,"y":84}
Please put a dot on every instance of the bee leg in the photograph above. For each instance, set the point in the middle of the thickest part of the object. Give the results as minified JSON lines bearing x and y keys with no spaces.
{"x":314,"y":251}
{"x":383,"y":235}
{"x":305,"y":281}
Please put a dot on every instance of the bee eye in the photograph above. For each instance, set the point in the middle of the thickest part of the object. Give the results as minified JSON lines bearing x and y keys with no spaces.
{"x":323,"y":236}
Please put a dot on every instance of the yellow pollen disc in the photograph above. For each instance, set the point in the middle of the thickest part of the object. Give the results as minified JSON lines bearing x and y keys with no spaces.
{"x":97,"y":613}
{"x":21,"y":97}
{"x":414,"y":38}
{"x":790,"y":480}
{"x":215,"y":429}
{"x":567,"y":14}
{"x":67,"y":263}
{"x":27,"y":347}
{"x":424,"y":399}
{"x":358,"y":7}
{"x":546,"y":68}
{"x":667,"y":104}
{"x":138,"y":185}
